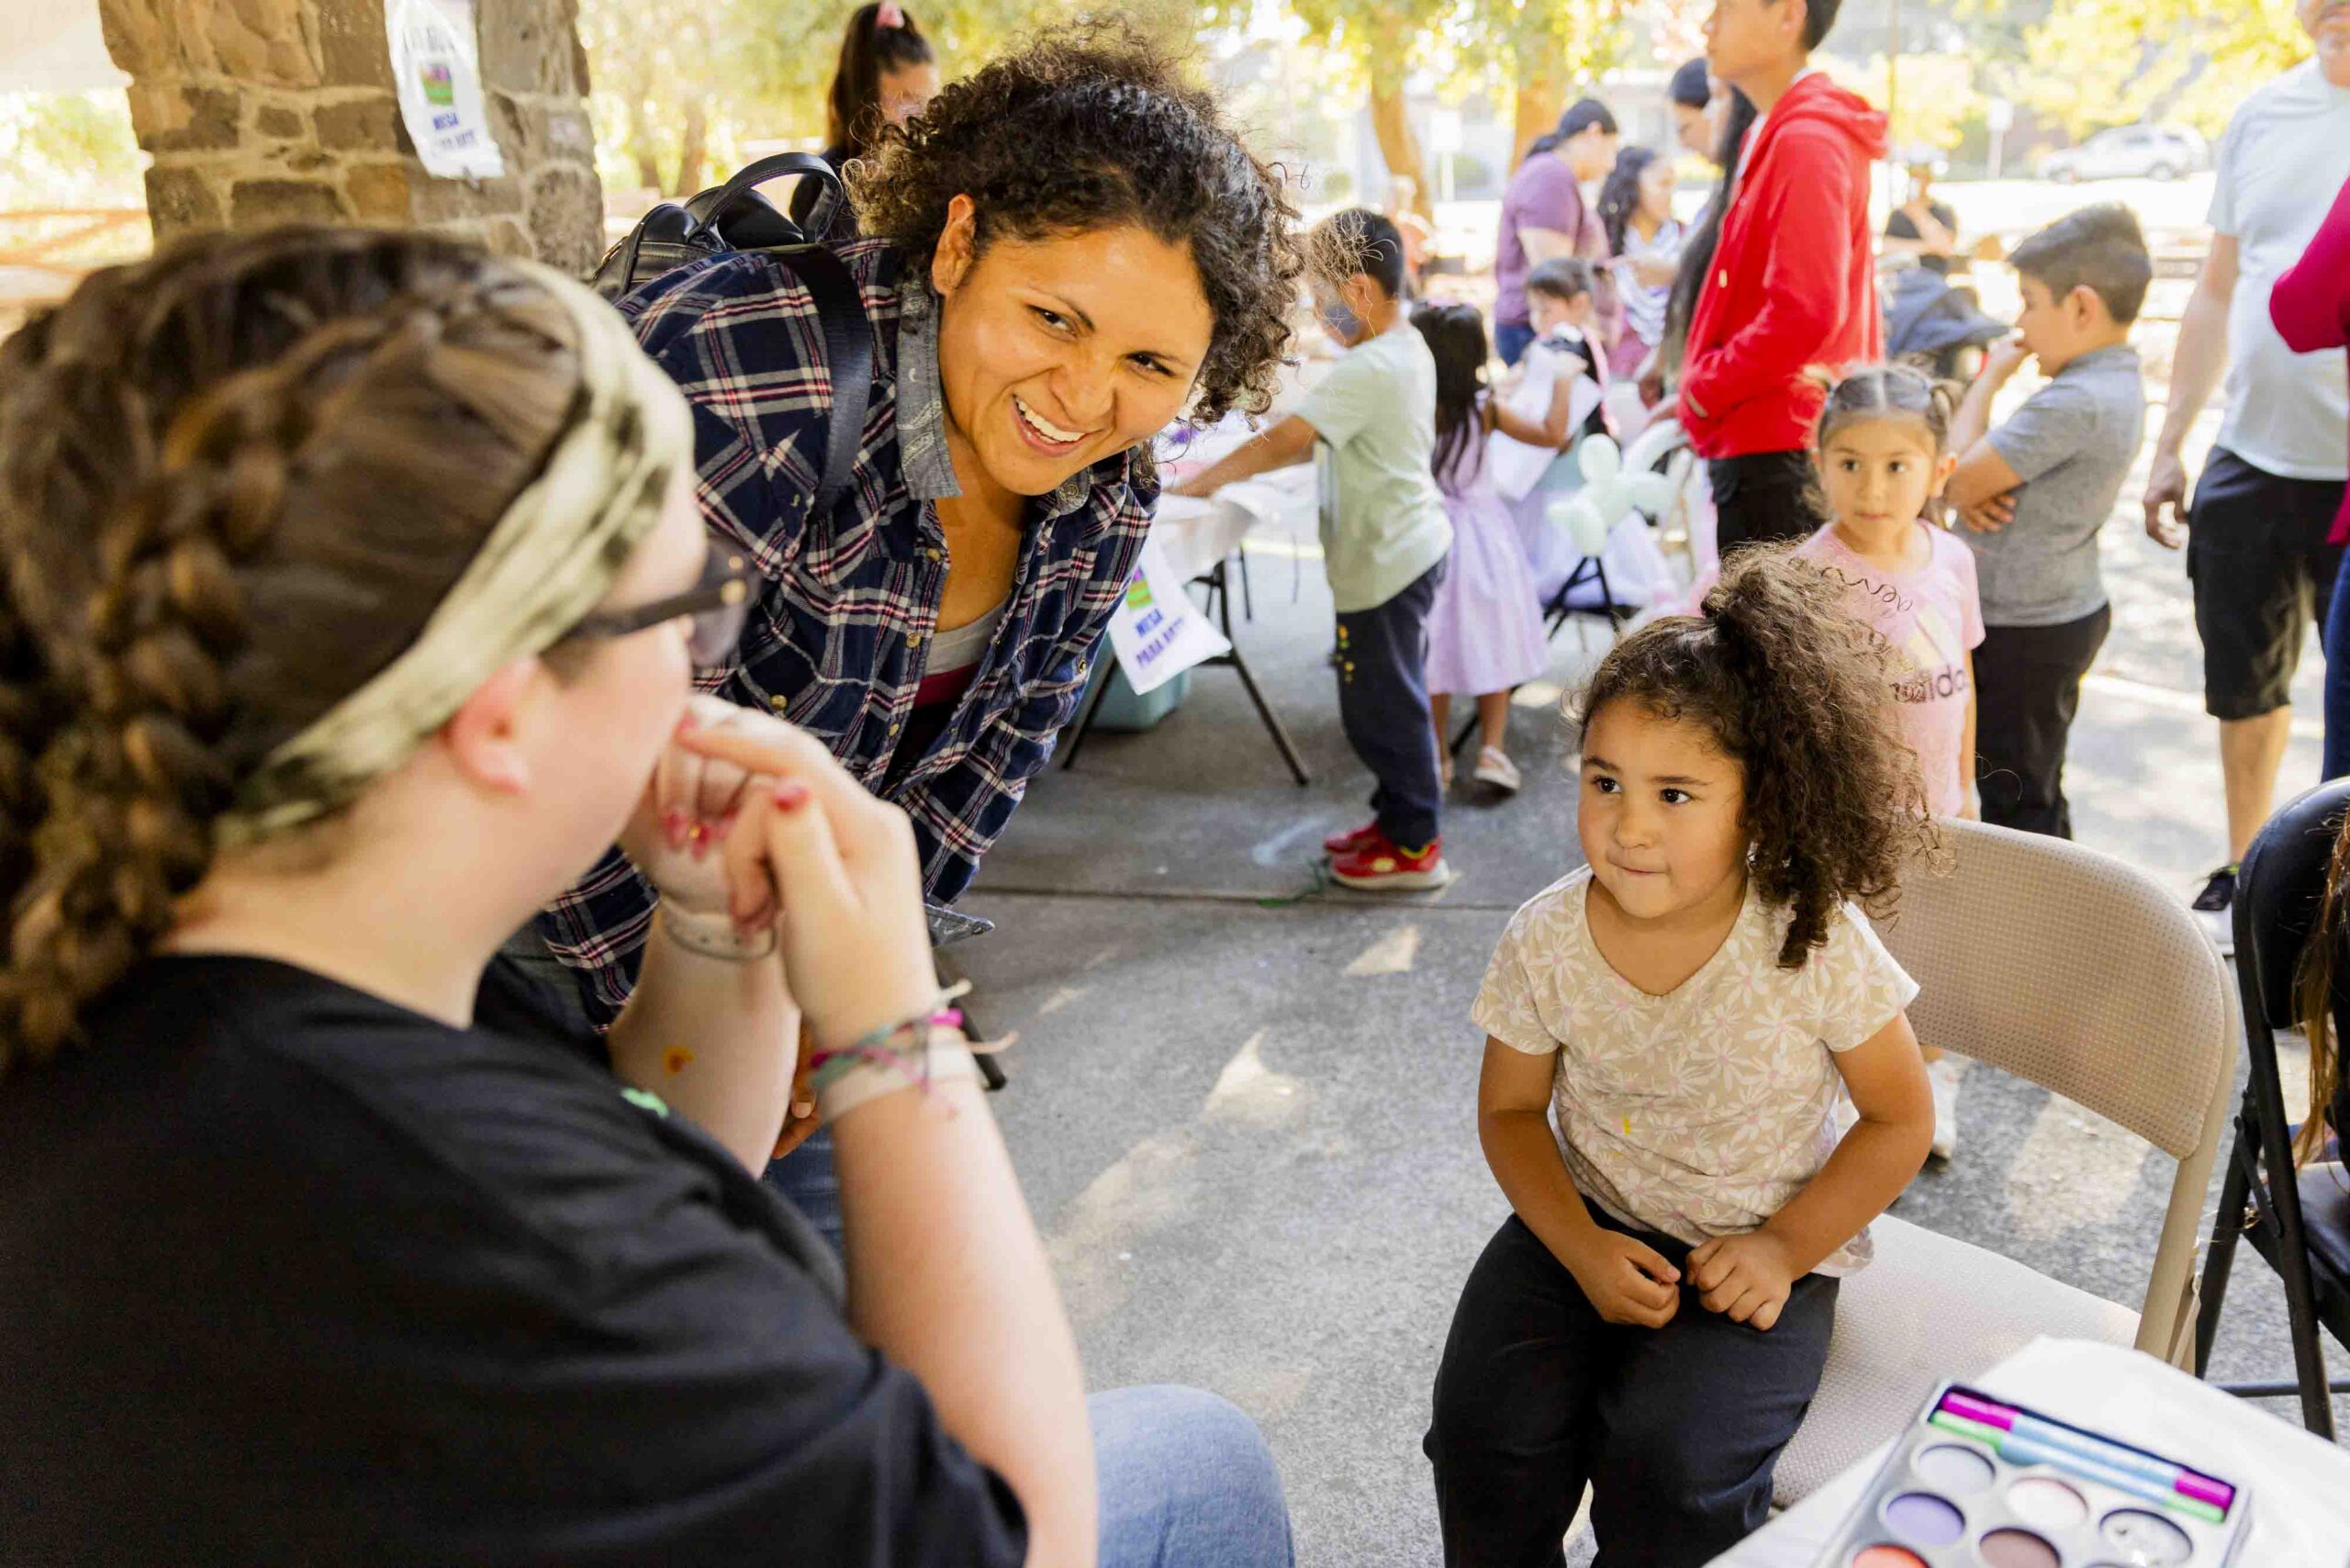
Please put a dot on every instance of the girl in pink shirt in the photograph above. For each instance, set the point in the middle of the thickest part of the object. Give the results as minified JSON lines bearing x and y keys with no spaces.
{"x":1881,"y":459}
{"x":1881,"y":450}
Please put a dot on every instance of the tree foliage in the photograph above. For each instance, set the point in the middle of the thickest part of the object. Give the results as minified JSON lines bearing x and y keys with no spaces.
{"x":67,"y":150}
{"x":681,"y":87}
{"x":2097,"y":62}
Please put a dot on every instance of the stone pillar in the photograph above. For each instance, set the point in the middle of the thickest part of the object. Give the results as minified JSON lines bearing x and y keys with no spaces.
{"x":269,"y":111}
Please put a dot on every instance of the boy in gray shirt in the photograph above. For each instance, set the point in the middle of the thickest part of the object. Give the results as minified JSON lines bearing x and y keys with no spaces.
{"x":2034,"y":491}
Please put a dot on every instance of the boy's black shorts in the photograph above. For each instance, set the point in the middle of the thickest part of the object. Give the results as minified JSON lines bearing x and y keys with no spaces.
{"x":2263,"y":573}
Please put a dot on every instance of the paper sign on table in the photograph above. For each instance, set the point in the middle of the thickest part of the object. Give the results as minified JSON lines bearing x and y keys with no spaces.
{"x":439,"y":73}
{"x":1157,"y":632}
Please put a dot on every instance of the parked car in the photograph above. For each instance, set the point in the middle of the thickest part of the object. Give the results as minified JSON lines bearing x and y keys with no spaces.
{"x":2128,"y":151}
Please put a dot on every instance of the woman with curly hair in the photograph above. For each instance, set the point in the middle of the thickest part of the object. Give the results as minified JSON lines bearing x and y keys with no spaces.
{"x":1071,"y":250}
{"x":1654,"y":1317}
{"x":352,"y":592}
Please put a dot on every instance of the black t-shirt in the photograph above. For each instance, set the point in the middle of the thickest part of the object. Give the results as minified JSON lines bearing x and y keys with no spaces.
{"x":289,"y":1273}
{"x":1901,"y":225}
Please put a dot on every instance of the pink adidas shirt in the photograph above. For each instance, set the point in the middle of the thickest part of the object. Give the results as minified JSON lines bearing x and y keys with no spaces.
{"x":1934,"y":619}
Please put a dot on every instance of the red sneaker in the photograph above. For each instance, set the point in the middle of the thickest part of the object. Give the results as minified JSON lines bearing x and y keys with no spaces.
{"x":1348,"y":842}
{"x":1382,"y":867}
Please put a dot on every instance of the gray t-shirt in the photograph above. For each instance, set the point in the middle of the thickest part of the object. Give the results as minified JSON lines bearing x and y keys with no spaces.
{"x":2073,"y":443}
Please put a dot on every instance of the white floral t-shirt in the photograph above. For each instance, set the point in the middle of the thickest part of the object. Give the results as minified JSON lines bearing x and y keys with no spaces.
{"x":1701,"y":1112}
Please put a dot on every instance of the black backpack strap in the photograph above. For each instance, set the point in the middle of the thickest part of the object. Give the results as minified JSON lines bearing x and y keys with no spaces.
{"x":848,"y":357}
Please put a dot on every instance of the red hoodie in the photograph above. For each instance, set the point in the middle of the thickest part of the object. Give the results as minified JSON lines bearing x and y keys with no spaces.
{"x":1794,"y":280}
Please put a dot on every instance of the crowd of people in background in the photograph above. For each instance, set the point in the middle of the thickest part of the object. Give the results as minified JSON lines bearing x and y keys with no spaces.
{"x":472,"y":797}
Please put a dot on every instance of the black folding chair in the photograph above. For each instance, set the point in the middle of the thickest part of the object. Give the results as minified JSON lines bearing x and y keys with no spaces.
{"x":2298,"y":1222}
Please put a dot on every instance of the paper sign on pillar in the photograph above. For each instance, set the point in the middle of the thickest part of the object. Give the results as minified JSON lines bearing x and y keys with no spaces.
{"x":438,"y":69}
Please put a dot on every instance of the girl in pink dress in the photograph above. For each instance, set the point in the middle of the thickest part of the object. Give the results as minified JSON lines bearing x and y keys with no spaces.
{"x":1882,"y":454}
{"x":1485,"y":627}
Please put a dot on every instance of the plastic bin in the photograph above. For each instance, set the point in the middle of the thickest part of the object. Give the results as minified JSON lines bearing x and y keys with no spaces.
{"x":1123,"y":712}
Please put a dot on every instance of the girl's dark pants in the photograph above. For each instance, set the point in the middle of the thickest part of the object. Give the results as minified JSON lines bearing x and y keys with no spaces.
{"x":1676,"y":1429}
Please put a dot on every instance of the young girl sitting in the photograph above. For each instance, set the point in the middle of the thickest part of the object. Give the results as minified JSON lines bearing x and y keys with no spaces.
{"x":1880,"y":452}
{"x":1654,"y":1317}
{"x":1485,"y":627}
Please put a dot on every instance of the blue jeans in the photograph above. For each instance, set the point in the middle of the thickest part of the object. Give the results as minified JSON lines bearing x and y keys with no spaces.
{"x":2337,"y":687}
{"x":1186,"y":1482}
{"x":810,"y":1180}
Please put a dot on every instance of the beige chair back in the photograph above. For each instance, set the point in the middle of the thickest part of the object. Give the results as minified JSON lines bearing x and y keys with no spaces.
{"x":2065,"y":967}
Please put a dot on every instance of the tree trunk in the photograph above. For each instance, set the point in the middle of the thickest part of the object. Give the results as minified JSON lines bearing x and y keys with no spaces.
{"x":1398,"y":148}
{"x":693,"y":148}
{"x":1541,"y":99}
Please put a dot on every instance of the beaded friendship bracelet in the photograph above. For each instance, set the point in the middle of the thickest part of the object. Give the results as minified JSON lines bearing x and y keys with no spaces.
{"x":885,"y":1059}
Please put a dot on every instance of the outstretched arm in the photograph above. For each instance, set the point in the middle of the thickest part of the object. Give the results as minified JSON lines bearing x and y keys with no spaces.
{"x":1280,"y":446}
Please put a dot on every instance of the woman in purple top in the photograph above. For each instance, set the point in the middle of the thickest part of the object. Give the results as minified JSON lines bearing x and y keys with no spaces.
{"x":1544,"y":214}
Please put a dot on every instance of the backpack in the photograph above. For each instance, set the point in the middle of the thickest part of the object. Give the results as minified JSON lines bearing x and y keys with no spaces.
{"x":735,"y":216}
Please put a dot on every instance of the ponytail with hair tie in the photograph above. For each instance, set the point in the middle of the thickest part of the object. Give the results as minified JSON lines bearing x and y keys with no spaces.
{"x":1800,"y":696}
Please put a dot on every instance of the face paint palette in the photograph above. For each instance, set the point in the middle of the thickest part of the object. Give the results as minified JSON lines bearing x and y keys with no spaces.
{"x":1977,"y":1481}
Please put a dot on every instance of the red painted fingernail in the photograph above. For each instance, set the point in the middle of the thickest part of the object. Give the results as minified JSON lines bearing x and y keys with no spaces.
{"x":686,"y":723}
{"x":790,"y":795}
{"x":675,"y":825}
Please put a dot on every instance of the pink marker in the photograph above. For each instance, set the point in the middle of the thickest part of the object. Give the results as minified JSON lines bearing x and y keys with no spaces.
{"x":2112,"y":1455}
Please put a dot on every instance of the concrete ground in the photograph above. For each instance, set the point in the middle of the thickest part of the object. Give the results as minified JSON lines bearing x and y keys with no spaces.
{"x":1244,"y":1106}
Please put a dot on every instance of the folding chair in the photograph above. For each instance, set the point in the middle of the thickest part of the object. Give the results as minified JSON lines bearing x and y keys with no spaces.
{"x":2297,"y":1221}
{"x":2082,"y":975}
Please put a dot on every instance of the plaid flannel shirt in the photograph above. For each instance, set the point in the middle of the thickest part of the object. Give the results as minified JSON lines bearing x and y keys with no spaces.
{"x":849,"y":602}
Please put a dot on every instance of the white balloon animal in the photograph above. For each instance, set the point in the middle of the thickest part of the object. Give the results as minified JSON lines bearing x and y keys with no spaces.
{"x":1615,"y":485}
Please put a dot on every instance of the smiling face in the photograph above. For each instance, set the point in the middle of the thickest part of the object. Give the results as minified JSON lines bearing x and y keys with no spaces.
{"x":2328,"y":23}
{"x":1057,"y":353}
{"x":1663,"y":814}
{"x":1878,"y":474}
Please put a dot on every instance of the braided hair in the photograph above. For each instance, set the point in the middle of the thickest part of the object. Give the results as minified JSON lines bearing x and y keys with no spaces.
{"x":1800,"y":696}
{"x":235,"y":481}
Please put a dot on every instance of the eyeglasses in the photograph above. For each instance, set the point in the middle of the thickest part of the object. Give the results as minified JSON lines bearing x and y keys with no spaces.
{"x":717,"y":605}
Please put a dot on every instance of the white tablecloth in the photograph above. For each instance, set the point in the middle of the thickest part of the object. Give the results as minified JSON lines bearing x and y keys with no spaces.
{"x":2300,"y":1484}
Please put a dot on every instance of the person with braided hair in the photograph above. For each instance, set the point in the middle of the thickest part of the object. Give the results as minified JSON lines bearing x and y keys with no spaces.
{"x":352,"y":591}
{"x":1653,"y":1318}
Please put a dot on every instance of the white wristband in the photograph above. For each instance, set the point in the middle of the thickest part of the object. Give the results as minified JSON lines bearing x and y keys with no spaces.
{"x":947,"y":1061}
{"x":713,"y":934}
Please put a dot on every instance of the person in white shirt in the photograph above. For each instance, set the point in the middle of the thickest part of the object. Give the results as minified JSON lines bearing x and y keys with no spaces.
{"x":2257,"y":532}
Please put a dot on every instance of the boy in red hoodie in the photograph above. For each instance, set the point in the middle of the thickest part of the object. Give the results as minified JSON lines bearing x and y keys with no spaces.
{"x":1793,"y":280}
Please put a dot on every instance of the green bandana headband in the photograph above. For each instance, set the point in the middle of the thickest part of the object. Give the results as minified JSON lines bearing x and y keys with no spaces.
{"x":547,"y":563}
